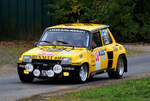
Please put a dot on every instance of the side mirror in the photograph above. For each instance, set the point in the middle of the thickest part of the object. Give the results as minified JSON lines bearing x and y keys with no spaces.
{"x":94,"y":46}
{"x":35,"y":44}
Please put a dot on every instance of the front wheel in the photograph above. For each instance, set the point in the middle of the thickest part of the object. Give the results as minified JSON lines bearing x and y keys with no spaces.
{"x":26,"y":79}
{"x":119,"y":69}
{"x":83,"y":73}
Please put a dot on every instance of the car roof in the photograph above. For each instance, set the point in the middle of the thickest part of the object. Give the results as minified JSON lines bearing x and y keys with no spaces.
{"x":82,"y":26}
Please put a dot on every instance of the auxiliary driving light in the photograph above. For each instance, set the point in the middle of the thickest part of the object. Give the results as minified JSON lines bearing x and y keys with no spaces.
{"x":50,"y":73}
{"x":36,"y":72}
{"x":57,"y":69}
{"x":29,"y":67}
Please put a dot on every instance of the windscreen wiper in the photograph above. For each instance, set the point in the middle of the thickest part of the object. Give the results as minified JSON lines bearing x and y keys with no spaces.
{"x":64,"y":42}
{"x":48,"y":42}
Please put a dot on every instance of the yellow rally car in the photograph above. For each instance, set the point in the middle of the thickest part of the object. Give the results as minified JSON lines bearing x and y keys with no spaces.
{"x":78,"y":51}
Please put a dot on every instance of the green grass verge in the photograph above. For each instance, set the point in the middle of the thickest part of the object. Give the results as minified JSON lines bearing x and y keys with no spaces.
{"x":138,"y":90}
{"x":131,"y":52}
{"x":10,"y":55}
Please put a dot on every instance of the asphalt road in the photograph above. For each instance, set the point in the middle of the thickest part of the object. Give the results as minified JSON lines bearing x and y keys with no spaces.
{"x":12,"y":89}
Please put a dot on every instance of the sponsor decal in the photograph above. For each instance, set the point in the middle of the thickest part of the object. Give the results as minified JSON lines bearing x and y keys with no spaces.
{"x":103,"y":33}
{"x":47,"y":57}
{"x":36,"y":50}
{"x":66,"y":53}
{"x":103,"y":57}
{"x":48,"y":53}
{"x":101,"y":52}
{"x":98,"y":62}
{"x":65,"y":30}
{"x":105,"y":36}
{"x":99,"y":55}
{"x":115,"y":48}
{"x":97,"y":58}
{"x":89,"y":59}
{"x":54,"y":49}
{"x":120,"y":48}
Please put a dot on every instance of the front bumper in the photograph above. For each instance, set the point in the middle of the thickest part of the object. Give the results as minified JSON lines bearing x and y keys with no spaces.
{"x":67,"y":70}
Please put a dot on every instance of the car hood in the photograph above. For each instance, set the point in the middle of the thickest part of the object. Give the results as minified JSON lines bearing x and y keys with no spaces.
{"x":54,"y":53}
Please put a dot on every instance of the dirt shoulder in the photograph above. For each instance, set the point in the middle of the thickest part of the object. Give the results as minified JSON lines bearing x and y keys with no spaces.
{"x":88,"y":85}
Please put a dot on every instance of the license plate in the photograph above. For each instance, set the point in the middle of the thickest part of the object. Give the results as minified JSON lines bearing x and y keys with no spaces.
{"x":44,"y":73}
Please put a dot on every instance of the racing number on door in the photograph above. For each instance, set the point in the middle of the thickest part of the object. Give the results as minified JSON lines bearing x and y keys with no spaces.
{"x":98,"y":50}
{"x":98,"y":60}
{"x":96,"y":56}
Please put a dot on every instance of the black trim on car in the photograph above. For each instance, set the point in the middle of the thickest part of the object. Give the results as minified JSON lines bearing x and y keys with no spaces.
{"x":110,"y":59}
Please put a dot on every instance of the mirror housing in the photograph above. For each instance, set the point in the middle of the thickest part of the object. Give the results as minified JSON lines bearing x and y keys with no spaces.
{"x":35,"y":44}
{"x":93,"y":46}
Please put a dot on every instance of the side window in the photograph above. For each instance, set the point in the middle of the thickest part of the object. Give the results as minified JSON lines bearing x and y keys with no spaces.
{"x":106,"y":37}
{"x":96,"y":40}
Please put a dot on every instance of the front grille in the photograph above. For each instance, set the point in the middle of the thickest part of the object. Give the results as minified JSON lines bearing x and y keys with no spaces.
{"x":45,"y":62}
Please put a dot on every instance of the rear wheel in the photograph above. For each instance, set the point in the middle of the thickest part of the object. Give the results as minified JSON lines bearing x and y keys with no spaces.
{"x":83,"y":73}
{"x":119,"y":70}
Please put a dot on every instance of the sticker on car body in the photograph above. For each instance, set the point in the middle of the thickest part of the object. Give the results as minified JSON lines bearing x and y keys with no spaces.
{"x":48,"y":53}
{"x":66,"y":53}
{"x":65,"y":30}
{"x":54,"y":49}
{"x":99,"y":56}
{"x":98,"y":60}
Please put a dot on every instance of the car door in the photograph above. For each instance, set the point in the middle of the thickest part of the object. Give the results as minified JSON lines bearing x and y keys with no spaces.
{"x":109,"y":47}
{"x":99,"y":52}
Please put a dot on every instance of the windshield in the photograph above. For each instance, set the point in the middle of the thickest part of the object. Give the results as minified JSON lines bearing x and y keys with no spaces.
{"x":65,"y":37}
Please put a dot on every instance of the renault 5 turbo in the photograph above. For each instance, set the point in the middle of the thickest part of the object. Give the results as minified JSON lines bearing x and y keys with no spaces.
{"x":76,"y":51}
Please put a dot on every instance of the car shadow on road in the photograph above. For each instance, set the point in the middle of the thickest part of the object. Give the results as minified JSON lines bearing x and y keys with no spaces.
{"x":69,"y":81}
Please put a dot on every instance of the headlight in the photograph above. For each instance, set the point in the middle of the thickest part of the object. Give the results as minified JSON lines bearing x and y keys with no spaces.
{"x":27,"y":59}
{"x":66,"y":61}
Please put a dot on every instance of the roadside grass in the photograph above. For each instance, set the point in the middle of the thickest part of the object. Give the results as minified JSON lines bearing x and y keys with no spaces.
{"x":11,"y":51}
{"x":133,"y":52}
{"x":132,"y":90}
{"x":10,"y":55}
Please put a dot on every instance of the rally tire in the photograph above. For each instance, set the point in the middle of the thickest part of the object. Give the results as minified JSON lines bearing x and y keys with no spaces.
{"x":26,"y":79}
{"x":83,"y":73}
{"x":119,"y":69}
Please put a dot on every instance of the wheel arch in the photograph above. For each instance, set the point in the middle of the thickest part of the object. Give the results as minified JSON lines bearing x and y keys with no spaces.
{"x":125,"y":61}
{"x":86,"y":63}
